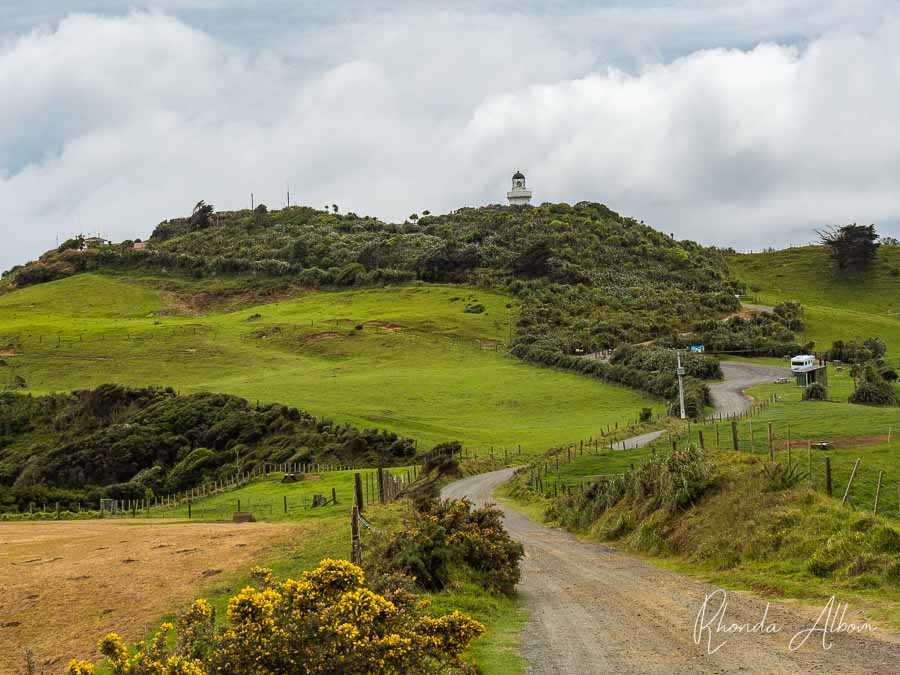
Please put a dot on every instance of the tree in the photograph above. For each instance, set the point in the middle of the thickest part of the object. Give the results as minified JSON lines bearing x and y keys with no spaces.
{"x":852,"y":247}
{"x":200,"y":216}
{"x":890,"y":241}
{"x":334,"y":207}
{"x":413,"y":217}
{"x":261,"y":215}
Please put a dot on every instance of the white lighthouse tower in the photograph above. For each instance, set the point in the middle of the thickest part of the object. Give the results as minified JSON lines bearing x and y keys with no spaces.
{"x":518,"y":196}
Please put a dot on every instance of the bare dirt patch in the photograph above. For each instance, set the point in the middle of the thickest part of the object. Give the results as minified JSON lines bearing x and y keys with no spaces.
{"x":67,"y":584}
{"x":328,"y":335}
{"x":384,"y":325}
{"x":8,"y":351}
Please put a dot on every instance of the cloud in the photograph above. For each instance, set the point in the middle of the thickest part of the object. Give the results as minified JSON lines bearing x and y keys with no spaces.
{"x":116,"y":123}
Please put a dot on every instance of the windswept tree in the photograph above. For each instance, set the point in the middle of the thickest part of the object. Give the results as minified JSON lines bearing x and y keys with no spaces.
{"x":852,"y":247}
{"x":200,"y":216}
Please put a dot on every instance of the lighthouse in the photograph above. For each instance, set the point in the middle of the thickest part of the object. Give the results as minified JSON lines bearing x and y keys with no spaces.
{"x":519,"y":195}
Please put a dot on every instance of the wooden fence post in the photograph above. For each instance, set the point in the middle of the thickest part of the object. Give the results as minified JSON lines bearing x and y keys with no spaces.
{"x":381,"y":495}
{"x":355,"y":544}
{"x":702,"y":444}
{"x":189,"y":509}
{"x":878,"y":492}
{"x":809,"y":462}
{"x":285,"y":503}
{"x":357,"y":484}
{"x":771,"y":444}
{"x":734,"y":435}
{"x":334,"y":495}
{"x":850,"y":482}
{"x":828,"y":487}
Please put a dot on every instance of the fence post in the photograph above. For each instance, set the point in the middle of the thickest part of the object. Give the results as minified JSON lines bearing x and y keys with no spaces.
{"x":878,"y":491}
{"x":850,"y":482}
{"x":771,"y":444}
{"x":333,"y":495}
{"x":700,"y":435}
{"x":734,"y":435}
{"x":809,"y":461}
{"x":828,"y":488}
{"x":57,"y":510}
{"x":355,"y":546}
{"x":381,"y":495}
{"x":285,"y":503}
{"x":189,"y":509}
{"x":357,"y":485}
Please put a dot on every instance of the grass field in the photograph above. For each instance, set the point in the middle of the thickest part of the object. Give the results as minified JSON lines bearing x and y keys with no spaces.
{"x":409,"y":359}
{"x":870,"y":434}
{"x":838,"y":306}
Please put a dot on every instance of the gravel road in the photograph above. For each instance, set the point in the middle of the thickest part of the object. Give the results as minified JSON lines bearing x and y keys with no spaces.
{"x":728,"y":396}
{"x":595,"y":610}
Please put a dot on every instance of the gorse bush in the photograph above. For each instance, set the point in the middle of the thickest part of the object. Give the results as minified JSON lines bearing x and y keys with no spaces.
{"x":327,"y":621}
{"x":446,"y":535}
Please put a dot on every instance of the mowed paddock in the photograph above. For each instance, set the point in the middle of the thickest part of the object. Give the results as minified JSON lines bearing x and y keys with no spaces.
{"x":66,"y":584}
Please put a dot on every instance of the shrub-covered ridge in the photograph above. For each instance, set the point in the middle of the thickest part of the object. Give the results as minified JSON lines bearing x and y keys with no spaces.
{"x":127,"y":443}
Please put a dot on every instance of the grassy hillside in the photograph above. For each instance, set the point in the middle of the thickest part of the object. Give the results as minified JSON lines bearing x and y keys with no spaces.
{"x":410,"y":359}
{"x":585,"y":277}
{"x":837,"y":305}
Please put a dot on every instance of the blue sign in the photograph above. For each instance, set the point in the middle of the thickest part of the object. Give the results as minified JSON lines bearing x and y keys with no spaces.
{"x":697,"y":349}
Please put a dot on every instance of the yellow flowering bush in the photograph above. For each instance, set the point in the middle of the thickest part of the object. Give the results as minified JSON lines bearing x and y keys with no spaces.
{"x":327,"y":621}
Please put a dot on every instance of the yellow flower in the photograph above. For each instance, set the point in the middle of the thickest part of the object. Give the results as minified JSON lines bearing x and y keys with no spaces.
{"x":80,"y":668}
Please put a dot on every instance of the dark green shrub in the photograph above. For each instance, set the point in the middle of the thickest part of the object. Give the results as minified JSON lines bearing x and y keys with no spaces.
{"x":449,"y":534}
{"x":815,"y":392}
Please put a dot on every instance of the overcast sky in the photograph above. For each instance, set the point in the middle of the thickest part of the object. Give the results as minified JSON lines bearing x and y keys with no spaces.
{"x":725,"y":121}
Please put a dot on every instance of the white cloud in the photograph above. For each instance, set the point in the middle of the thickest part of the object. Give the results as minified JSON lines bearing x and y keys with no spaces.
{"x":119,"y":122}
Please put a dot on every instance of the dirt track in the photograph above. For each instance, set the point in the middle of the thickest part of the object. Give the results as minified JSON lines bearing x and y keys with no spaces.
{"x":595,"y":610}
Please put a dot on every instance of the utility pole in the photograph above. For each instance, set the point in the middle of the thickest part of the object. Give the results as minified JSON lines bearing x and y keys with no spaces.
{"x":680,"y":371}
{"x":252,"y":204}
{"x":289,"y":195}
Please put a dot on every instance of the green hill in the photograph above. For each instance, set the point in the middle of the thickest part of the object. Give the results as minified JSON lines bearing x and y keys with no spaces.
{"x":407,"y":359}
{"x":837,"y":306}
{"x":586,"y":278}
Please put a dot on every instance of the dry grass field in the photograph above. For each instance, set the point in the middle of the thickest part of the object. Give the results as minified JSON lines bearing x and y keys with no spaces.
{"x":66,"y":584}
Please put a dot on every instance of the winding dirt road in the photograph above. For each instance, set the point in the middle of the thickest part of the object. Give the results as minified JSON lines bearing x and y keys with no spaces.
{"x":593,"y":609}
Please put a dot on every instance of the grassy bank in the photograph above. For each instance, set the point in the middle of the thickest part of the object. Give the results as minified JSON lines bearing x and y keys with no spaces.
{"x":744,"y":533}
